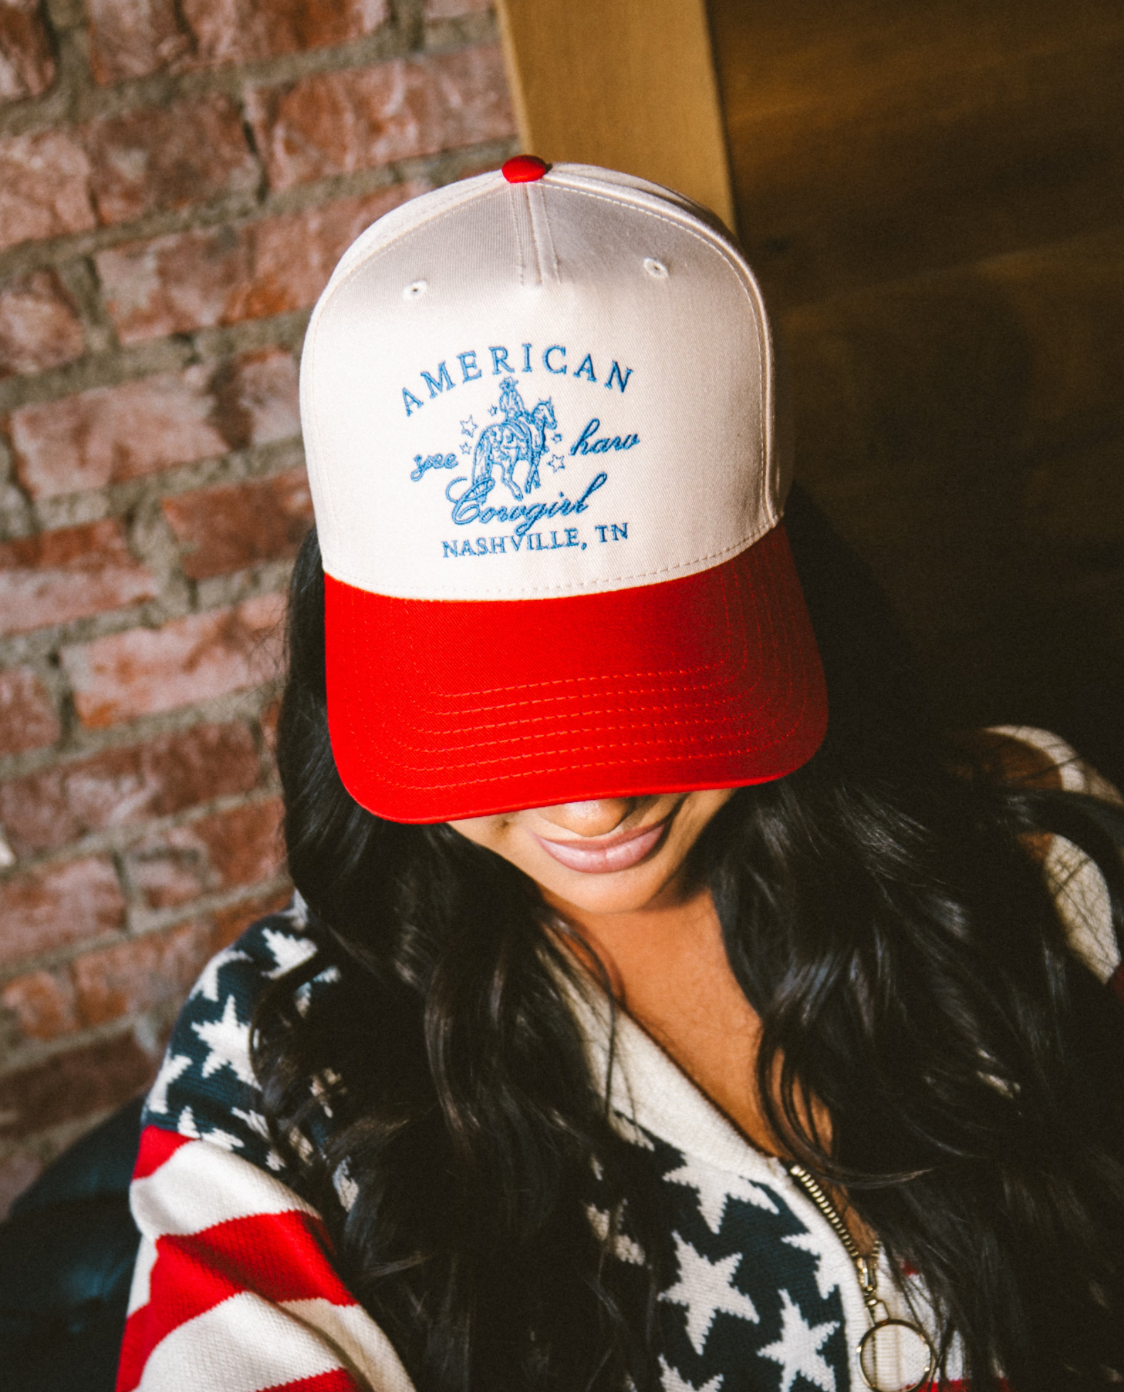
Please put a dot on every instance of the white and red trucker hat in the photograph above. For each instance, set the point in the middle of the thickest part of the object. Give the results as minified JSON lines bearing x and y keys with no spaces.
{"x":538,"y":410}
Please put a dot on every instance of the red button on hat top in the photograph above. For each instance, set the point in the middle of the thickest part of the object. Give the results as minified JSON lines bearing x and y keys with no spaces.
{"x":524,"y":169}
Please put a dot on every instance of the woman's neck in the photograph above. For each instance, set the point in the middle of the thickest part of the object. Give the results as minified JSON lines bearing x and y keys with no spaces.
{"x":667,"y":967}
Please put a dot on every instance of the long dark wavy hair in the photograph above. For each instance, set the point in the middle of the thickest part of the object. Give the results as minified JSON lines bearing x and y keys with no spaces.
{"x":886,"y":917}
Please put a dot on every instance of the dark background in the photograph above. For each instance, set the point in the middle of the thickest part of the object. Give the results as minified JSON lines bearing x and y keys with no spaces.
{"x":933,"y":196}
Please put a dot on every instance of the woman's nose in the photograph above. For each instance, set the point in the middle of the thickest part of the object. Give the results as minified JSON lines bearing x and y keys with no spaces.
{"x":597,"y":818}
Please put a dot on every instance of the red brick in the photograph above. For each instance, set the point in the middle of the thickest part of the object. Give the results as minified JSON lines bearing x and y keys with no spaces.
{"x":239,"y":31}
{"x":269,"y":718}
{"x":169,"y":157}
{"x":256,"y":398}
{"x":225,"y":275}
{"x":43,"y":1003}
{"x":140,"y":973}
{"x":225,"y":529}
{"x":244,"y":845}
{"x":130,"y":38}
{"x":42,"y":910}
{"x":192,"y":659}
{"x":134,"y":37}
{"x":27,"y":65}
{"x":38,"y":325}
{"x":96,"y":1078}
{"x":232,"y":922}
{"x":453,"y":9}
{"x":114,"y":433}
{"x":338,"y":122}
{"x":120,"y":787}
{"x":67,"y":574}
{"x":226,"y":849}
{"x":44,"y":187}
{"x":27,"y":719}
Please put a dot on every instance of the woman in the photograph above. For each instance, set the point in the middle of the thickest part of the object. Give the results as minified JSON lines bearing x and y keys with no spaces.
{"x":635,"y":1023}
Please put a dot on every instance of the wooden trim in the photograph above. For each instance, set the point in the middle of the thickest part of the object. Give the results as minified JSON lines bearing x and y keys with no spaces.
{"x":629,"y":84}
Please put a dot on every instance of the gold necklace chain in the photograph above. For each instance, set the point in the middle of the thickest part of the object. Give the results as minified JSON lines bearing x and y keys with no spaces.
{"x":866,"y":1267}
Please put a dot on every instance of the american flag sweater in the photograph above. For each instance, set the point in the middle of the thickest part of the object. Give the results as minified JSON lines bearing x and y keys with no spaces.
{"x":235,"y":1290}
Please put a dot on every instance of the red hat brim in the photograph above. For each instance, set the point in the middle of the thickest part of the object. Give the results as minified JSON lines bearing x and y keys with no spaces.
{"x":440,"y":710}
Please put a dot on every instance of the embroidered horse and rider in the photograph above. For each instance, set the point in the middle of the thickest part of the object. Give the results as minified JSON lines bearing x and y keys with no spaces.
{"x":519,"y":438}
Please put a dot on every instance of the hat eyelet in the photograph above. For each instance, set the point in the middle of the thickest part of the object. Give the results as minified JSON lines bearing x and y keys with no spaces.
{"x":656,"y":269}
{"x":415,"y":289}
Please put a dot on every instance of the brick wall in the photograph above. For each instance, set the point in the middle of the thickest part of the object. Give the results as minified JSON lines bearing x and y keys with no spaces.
{"x":176,"y":182}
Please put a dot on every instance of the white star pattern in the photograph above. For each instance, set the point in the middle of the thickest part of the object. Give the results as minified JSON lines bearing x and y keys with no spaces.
{"x":170,"y":1070}
{"x":322,"y":1084}
{"x":186,"y":1127}
{"x":623,"y":1248}
{"x":256,"y":1122}
{"x":798,"y":1348}
{"x":807,"y":1243}
{"x":302,"y":996}
{"x":674,"y":1382}
{"x":287,"y":952}
{"x":297,"y":912}
{"x":346,"y":1188}
{"x":715,"y":1188}
{"x":228,"y":1042}
{"x":704,"y":1288}
{"x":208,"y":984}
{"x":223,"y":1139}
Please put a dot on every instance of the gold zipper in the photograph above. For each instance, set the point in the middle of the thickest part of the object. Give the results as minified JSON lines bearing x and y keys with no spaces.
{"x":866,"y":1268}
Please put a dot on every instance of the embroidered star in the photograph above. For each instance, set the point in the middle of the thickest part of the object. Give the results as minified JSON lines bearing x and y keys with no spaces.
{"x":228,"y":1042}
{"x":798,"y":1348}
{"x":556,"y":462}
{"x":208,"y":984}
{"x":825,"y":1282}
{"x":704,"y":1289}
{"x":466,"y":448}
{"x":468,"y":427}
{"x":673,"y":1380}
{"x":715,"y":1188}
{"x":170,"y":1070}
{"x":287,"y":952}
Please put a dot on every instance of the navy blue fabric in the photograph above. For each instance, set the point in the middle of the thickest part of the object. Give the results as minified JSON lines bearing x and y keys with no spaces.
{"x":66,"y":1261}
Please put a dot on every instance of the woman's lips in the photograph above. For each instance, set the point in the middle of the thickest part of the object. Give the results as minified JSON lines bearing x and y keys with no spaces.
{"x":601,"y":856}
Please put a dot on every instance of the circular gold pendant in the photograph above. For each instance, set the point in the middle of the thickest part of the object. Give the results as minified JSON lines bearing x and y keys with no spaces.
{"x":896,"y":1356}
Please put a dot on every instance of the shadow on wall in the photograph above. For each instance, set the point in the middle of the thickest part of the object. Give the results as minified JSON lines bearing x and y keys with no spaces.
{"x":964,"y":431}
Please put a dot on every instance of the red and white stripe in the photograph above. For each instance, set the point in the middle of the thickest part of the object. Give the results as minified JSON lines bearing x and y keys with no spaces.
{"x":234,"y":1289}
